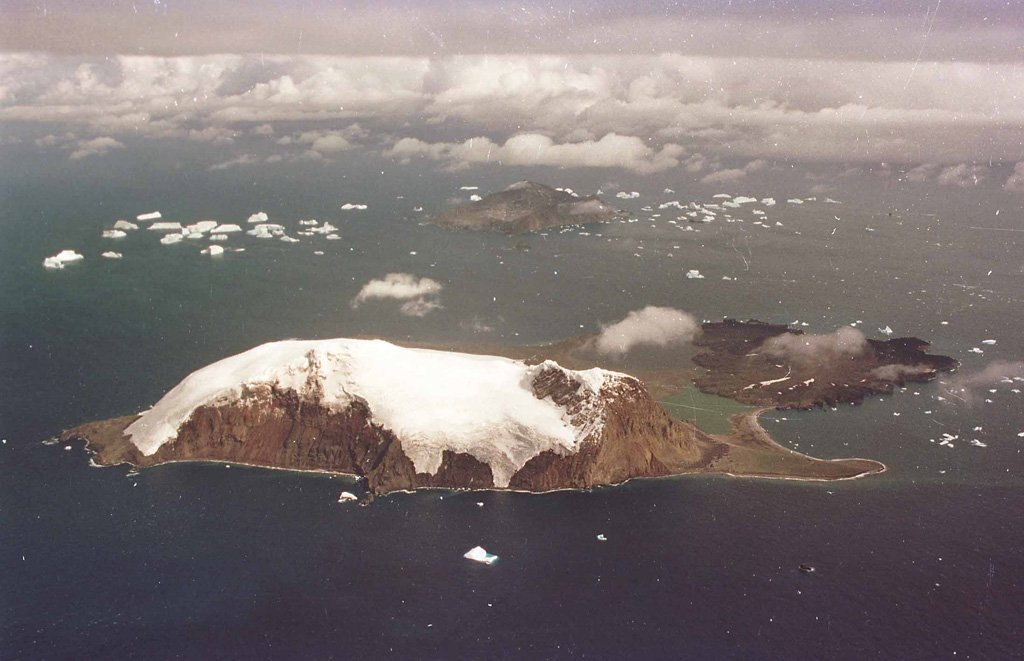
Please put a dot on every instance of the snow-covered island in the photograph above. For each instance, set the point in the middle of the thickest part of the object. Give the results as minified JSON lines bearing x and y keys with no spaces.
{"x":405,"y":418}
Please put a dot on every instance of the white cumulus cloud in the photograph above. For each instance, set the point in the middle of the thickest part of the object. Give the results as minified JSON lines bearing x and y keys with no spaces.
{"x":401,"y":286}
{"x":652,"y":326}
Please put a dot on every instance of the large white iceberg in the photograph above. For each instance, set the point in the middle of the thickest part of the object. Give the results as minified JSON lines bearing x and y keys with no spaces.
{"x":152,"y":215}
{"x":478,"y":554}
{"x":259,"y":217}
{"x":213,"y":250}
{"x":125,"y":225}
{"x":431,"y":401}
{"x":113,"y":234}
{"x":226,"y":228}
{"x":60,"y":259}
{"x":172,"y":239}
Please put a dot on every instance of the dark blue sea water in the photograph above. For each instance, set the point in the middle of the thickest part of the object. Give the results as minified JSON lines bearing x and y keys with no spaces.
{"x":194,"y":561}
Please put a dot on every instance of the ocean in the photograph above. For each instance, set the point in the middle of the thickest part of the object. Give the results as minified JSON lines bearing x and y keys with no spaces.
{"x":199,"y":560}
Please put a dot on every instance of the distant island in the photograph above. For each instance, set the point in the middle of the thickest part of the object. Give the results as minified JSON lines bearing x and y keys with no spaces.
{"x":405,"y":418}
{"x":526,"y":207}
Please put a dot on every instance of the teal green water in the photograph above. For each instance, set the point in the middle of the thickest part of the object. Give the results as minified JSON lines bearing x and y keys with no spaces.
{"x":710,"y":412}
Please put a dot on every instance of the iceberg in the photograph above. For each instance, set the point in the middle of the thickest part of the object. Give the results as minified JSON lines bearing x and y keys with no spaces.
{"x":218,"y":237}
{"x":60,"y":259}
{"x":475,"y":198}
{"x":348,"y":206}
{"x":224,"y":229}
{"x":152,"y":215}
{"x":602,"y":538}
{"x":289,"y":239}
{"x":202,"y":226}
{"x":213,"y":250}
{"x":266,"y":231}
{"x":478,"y":554}
{"x":885,"y":331}
{"x":166,"y":227}
{"x":694,"y":274}
{"x":172,"y":239}
{"x":333,"y":237}
{"x":125,"y":225}
{"x":113,"y":234}
{"x":259,"y":217}
{"x":110,"y":254}
{"x":309,"y":222}
{"x":347,"y":496}
{"x":794,"y":200}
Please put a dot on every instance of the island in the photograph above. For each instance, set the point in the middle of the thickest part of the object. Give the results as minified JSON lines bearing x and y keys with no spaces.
{"x":526,"y":207}
{"x":406,"y":417}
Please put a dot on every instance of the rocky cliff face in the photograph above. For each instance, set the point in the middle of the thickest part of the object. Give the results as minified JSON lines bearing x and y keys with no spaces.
{"x":626,"y":435}
{"x":526,"y":207}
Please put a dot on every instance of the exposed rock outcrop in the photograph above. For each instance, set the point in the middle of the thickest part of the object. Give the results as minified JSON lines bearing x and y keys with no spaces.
{"x":525,"y":207}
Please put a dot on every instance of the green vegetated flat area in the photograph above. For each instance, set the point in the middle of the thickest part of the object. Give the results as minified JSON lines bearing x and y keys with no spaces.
{"x":710,"y":412}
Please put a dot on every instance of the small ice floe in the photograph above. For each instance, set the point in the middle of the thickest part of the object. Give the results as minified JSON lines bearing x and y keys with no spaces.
{"x":202,"y":227}
{"x":67,"y":448}
{"x":975,"y":350}
{"x":469,"y":188}
{"x":333,"y":237}
{"x":318,"y":252}
{"x":602,"y":538}
{"x":623,"y":195}
{"x":110,"y":254}
{"x":172,"y":239}
{"x":478,"y":554}
{"x":266,"y":231}
{"x":829,"y":200}
{"x":1020,"y":435}
{"x":289,"y":239}
{"x":668,"y":191}
{"x":475,"y":198}
{"x":794,"y":200}
{"x":347,"y":496}
{"x":725,"y":277}
{"x":978,"y":444}
{"x":152,"y":215}
{"x":218,"y":237}
{"x":113,"y":234}
{"x":308,"y":223}
{"x":988,"y":341}
{"x":213,"y":250}
{"x":694,"y":274}
{"x":768,"y":201}
{"x":226,"y":228}
{"x":417,"y":208}
{"x":258,"y":217}
{"x":479,"y":504}
{"x":348,"y":206}
{"x":60,"y":259}
{"x":885,"y":331}
{"x":165,"y":227}
{"x":125,"y":225}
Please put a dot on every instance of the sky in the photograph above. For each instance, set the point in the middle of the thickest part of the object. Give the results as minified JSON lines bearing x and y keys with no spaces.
{"x":931,"y":92}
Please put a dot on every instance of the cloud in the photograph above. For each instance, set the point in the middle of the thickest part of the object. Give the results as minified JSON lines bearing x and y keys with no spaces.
{"x":996,"y":372}
{"x":420,"y":307}
{"x":812,"y":350}
{"x":94,"y":147}
{"x":659,"y":108}
{"x":400,"y":286}
{"x":1015,"y":184}
{"x":654,"y":326}
{"x":611,"y":151}
{"x":244,"y":159}
{"x":960,"y":175}
{"x":733,"y":174}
